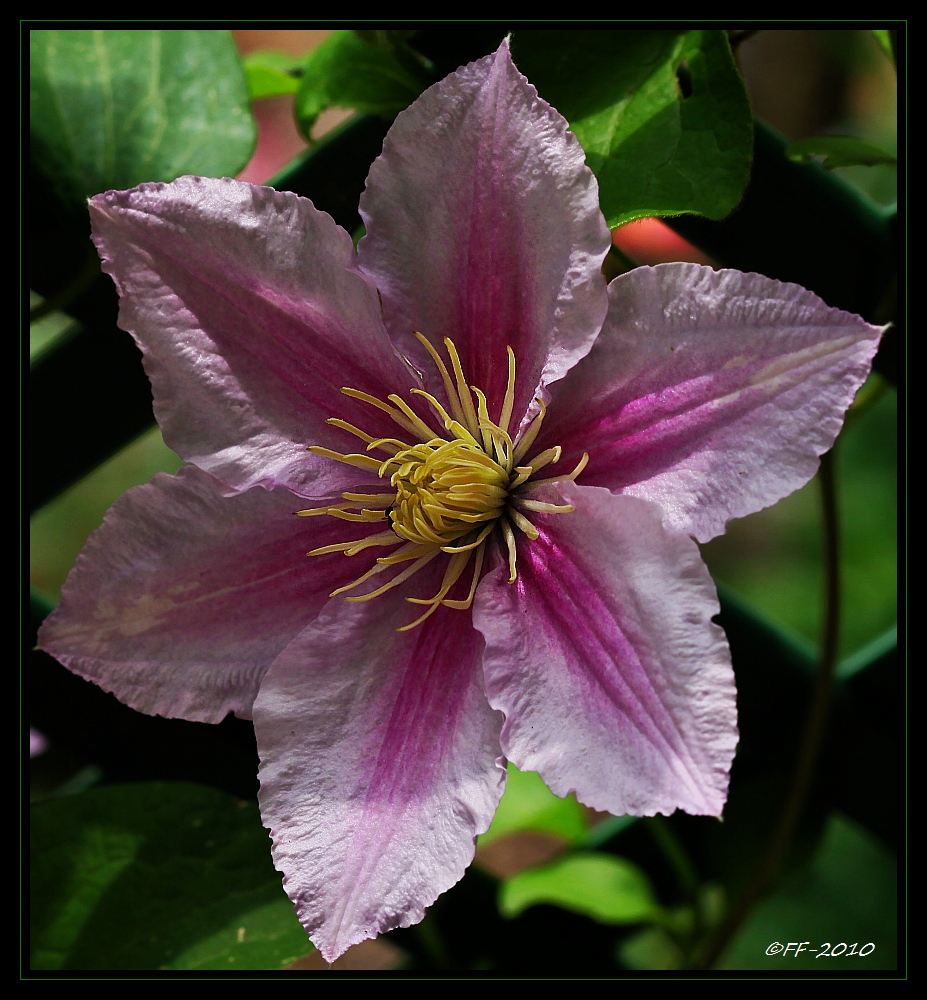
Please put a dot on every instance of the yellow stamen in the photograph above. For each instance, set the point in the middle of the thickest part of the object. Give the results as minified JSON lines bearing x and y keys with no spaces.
{"x":452,"y":395}
{"x":396,"y":580}
{"x":522,"y":522}
{"x":447,"y":494}
{"x":531,"y":432}
{"x":509,"y":537}
{"x":463,"y":390}
{"x":468,"y":600}
{"x":352,"y":548}
{"x":359,"y":461}
{"x":508,"y":401}
{"x":426,"y":432}
{"x":580,"y":465}
{"x":357,"y":432}
{"x":380,"y":405}
{"x":524,"y":472}
{"x":549,"y":508}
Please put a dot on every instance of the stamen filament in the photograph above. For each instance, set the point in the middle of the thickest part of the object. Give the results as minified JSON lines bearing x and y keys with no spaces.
{"x":452,"y":396}
{"x":426,"y":432}
{"x":380,"y":566}
{"x":527,"y":439}
{"x":561,"y":479}
{"x":546,"y":458}
{"x":409,"y":551}
{"x":524,"y":472}
{"x":358,"y":461}
{"x":386,"y":498}
{"x":448,"y":490}
{"x":470,"y":545}
{"x":455,"y":566}
{"x":352,"y":548}
{"x":380,"y":405}
{"x":485,"y":423}
{"x":446,"y":418}
{"x":391,"y":445}
{"x":364,"y":515}
{"x":508,"y":400}
{"x":520,"y":521}
{"x":509,"y":537}
{"x":357,"y":432}
{"x":463,"y":390}
{"x":550,"y":508}
{"x":399,"y":578}
{"x":475,"y":579}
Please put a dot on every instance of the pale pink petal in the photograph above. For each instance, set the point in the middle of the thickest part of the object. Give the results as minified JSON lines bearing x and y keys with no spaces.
{"x":37,"y":743}
{"x":712,"y":393}
{"x":181,"y":600}
{"x":603,"y":657}
{"x":378,"y":763}
{"x":252,"y":315}
{"x":483,"y":225}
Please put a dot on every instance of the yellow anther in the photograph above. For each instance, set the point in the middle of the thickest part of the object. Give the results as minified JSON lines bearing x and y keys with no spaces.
{"x":446,"y":494}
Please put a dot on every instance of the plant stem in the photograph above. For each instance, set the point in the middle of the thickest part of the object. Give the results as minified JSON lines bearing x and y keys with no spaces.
{"x":812,"y":739}
{"x":686,"y":874}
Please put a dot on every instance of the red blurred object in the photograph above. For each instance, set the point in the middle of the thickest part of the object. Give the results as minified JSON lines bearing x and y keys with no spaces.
{"x":650,"y":241}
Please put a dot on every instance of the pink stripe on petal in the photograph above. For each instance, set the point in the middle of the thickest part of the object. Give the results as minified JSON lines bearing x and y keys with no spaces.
{"x":712,"y":393}
{"x":603,"y":657}
{"x":378,"y":768}
{"x":182,"y":599}
{"x":483,"y":225}
{"x":252,"y":315}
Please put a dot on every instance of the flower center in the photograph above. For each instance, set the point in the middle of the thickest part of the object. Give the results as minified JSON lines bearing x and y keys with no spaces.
{"x":446,"y":494}
{"x":444,"y":489}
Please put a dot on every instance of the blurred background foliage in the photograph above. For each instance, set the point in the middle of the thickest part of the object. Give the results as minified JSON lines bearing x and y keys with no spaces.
{"x":606,"y":895}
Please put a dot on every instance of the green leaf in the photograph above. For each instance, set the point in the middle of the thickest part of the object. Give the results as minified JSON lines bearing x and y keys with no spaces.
{"x":157,"y":876}
{"x":528,"y":804}
{"x":345,"y":72}
{"x":52,"y":328}
{"x":271,"y":74}
{"x":110,"y":109}
{"x":662,"y":115}
{"x":839,"y":151}
{"x":884,"y":38}
{"x":848,"y":894}
{"x":609,"y":889}
{"x":383,"y":38}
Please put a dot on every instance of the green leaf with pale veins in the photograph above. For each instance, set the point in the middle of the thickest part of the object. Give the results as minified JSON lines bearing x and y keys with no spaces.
{"x":609,"y":889}
{"x":839,"y":151}
{"x":662,"y":115}
{"x":346,"y":72}
{"x":110,"y":109}
{"x":157,"y":876}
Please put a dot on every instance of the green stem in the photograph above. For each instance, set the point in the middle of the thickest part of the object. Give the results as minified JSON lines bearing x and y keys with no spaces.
{"x":433,"y":944}
{"x":675,"y":854}
{"x":813,"y":738}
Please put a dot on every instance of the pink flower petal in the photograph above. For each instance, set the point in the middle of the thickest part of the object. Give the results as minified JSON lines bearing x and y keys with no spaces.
{"x":603,"y":657}
{"x":483,"y":225}
{"x":712,"y":393}
{"x":181,"y":600}
{"x":378,"y":768}
{"x":252,"y":316}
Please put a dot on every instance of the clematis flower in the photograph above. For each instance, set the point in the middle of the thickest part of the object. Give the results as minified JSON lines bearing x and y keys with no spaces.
{"x":497,"y":466}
